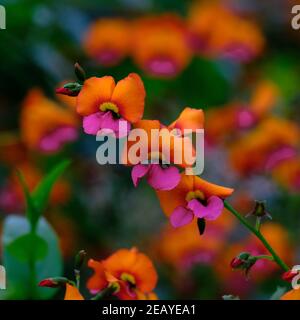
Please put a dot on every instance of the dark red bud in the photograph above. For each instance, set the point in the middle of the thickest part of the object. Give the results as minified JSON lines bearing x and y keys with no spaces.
{"x":289,"y":275}
{"x":236,"y":263}
{"x":53,"y":282}
{"x":66,"y":92}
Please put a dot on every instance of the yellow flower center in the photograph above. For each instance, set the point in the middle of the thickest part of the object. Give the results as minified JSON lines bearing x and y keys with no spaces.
{"x":109,"y":106}
{"x":128,"y":278}
{"x":195,"y":195}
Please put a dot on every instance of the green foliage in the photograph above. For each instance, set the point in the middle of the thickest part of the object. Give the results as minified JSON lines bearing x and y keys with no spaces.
{"x":18,"y":271}
{"x":30,"y":246}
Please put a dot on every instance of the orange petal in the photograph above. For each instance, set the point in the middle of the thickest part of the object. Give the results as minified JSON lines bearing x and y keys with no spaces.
{"x":291,"y":295}
{"x":129,"y":96}
{"x":135,"y":263}
{"x":72,"y":293}
{"x":94,"y":92}
{"x":189,"y":119}
{"x":98,"y":280}
{"x":210,"y":189}
{"x":170,"y":200}
{"x":40,"y":115}
{"x":264,"y":98}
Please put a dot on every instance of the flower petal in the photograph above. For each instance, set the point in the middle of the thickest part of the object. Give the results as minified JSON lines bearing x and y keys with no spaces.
{"x":189,"y":118}
{"x":138,"y":172}
{"x":181,"y":216}
{"x":129,"y":96}
{"x":94,"y":92}
{"x":163,"y":179}
{"x":212,"y":211}
{"x":92,"y":123}
{"x":72,"y":293}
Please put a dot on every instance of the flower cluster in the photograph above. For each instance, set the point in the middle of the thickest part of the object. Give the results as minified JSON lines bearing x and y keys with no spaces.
{"x":163,"y":45}
{"x":103,"y":104}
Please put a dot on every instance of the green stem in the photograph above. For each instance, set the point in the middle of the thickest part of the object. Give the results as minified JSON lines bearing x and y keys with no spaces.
{"x":32,"y":266}
{"x":263,"y":256}
{"x":105,"y":293}
{"x":258,"y":234}
{"x":257,"y":223}
{"x":77,"y":277}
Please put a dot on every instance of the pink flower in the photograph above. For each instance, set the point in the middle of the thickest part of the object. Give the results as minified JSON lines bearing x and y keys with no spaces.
{"x":158,"y":177}
{"x":211,"y":210}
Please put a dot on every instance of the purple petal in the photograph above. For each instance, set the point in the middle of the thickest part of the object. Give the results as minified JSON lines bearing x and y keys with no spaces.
{"x":216,"y":206}
{"x":138,"y":172}
{"x":119,"y":126}
{"x":163,"y":179}
{"x":93,"y":123}
{"x":49,"y":144}
{"x":181,"y":216}
{"x":211,"y":211}
{"x":162,"y":67}
{"x":65,"y":134}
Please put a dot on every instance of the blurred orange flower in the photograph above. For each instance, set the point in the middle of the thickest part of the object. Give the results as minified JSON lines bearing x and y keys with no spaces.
{"x":160,"y":45}
{"x":131,"y":271}
{"x":108,"y":40}
{"x":45,"y":125}
{"x":287,"y":173}
{"x":291,"y":295}
{"x":272,"y":141}
{"x":216,"y":31}
{"x":181,"y":247}
{"x":72,"y":293}
{"x":231,"y":120}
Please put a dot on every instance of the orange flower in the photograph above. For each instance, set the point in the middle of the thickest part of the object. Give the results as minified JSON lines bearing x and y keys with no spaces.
{"x":108,"y":40}
{"x":291,"y":295}
{"x":164,"y":146}
{"x":287,"y":173}
{"x":228,"y":36}
{"x":45,"y":126}
{"x":131,"y":271}
{"x":160,"y":45}
{"x":273,"y":141}
{"x":234,"y":118}
{"x":193,"y":197}
{"x":72,"y":293}
{"x":184,"y":254}
{"x":104,"y":103}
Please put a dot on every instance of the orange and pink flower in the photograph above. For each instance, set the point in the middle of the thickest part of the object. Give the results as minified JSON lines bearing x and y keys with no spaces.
{"x":45,"y":125}
{"x":160,"y":45}
{"x":108,"y":40}
{"x":130,"y":271}
{"x":104,"y":103}
{"x":193,"y":197}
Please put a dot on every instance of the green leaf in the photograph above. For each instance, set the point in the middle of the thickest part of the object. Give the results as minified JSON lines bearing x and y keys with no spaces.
{"x":28,"y":246}
{"x":42,"y":191}
{"x":31,"y":209}
{"x":18,"y":272}
{"x":36,"y":202}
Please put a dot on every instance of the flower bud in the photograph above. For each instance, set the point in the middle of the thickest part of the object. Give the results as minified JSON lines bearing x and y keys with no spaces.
{"x":260,"y":210}
{"x":66,"y":92}
{"x":79,"y":259}
{"x":243,"y":261}
{"x":80,"y":73}
{"x":289,"y":275}
{"x":239,"y":261}
{"x":53,"y":282}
